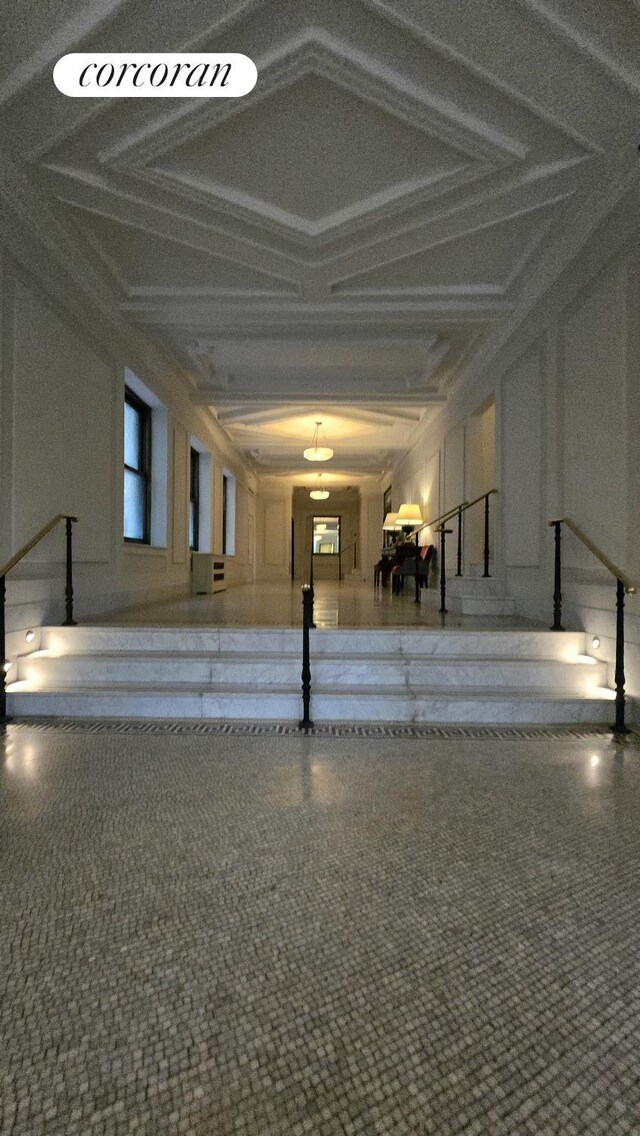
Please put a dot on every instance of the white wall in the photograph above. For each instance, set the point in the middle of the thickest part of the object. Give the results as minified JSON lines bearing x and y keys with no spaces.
{"x":61,"y":423}
{"x":566,"y":389}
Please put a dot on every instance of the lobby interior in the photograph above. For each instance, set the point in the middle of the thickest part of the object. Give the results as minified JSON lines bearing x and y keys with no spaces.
{"x":420,"y":230}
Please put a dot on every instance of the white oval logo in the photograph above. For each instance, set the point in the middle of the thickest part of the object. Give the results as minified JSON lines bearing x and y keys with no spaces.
{"x":161,"y":76}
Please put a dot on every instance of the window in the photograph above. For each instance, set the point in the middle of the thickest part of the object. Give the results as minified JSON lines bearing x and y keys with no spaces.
{"x":326,"y":536}
{"x":137,"y":469}
{"x":194,"y":501}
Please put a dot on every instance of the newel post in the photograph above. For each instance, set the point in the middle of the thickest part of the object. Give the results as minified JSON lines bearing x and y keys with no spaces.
{"x":619,"y":726}
{"x":307,"y":623}
{"x":557,"y":579}
{"x":68,"y":592}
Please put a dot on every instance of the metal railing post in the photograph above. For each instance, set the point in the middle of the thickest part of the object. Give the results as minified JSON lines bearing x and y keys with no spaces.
{"x":443,"y":575}
{"x":486,"y":537}
{"x":459,"y":565}
{"x":417,"y":596}
{"x":619,"y":726}
{"x":307,"y":623}
{"x":68,"y":592}
{"x":557,"y":580}
{"x":3,"y":650}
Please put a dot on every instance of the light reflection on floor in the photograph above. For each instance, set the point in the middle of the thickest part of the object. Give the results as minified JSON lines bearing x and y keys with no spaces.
{"x":280,"y":605}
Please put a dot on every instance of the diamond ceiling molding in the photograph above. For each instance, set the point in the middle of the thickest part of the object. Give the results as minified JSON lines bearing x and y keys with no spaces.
{"x":482,"y":261}
{"x":398,"y":190}
{"x":247,"y":160}
{"x":148,"y":264}
{"x":344,"y":122}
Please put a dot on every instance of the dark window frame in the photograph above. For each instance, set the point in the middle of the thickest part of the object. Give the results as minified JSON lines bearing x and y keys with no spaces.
{"x":194,"y":499}
{"x":144,"y":459}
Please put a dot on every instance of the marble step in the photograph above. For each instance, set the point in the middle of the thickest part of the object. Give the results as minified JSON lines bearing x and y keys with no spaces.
{"x":477,"y":569}
{"x":42,"y":671}
{"x":475,"y":586}
{"x":467,"y":604}
{"x":365,"y":704}
{"x":447,"y":642}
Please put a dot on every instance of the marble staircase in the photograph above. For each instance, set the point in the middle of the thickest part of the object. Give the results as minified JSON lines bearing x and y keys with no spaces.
{"x":472,"y":594}
{"x":372,"y":674}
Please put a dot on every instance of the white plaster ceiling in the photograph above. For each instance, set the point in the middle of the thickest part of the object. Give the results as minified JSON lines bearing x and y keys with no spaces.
{"x":344,"y":241}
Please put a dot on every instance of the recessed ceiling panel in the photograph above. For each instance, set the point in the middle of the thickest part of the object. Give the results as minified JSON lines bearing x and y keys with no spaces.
{"x":311,"y":150}
{"x":146,"y":260}
{"x":485,"y":258}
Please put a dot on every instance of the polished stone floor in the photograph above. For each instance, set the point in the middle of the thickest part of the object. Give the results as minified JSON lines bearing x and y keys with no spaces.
{"x":216,"y":935}
{"x":348,"y":604}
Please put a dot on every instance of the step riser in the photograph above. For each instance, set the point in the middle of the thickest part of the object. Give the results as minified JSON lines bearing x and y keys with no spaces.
{"x":264,"y":707}
{"x":480,"y":605}
{"x":90,"y":670}
{"x":468,"y":586}
{"x":448,"y":644}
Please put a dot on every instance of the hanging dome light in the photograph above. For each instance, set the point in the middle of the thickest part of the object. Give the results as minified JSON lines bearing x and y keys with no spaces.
{"x":319,"y":494}
{"x":315,"y":452}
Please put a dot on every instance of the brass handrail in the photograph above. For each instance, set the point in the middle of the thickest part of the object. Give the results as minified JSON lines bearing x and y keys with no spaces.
{"x":629,"y":586}
{"x":623,"y":584}
{"x":462,"y":508}
{"x":11,"y":563}
{"x":22,"y":552}
{"x":438,"y":520}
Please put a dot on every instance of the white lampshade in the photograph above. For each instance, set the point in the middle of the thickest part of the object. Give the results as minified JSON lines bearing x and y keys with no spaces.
{"x":315,"y":452}
{"x":409,"y":515}
{"x":390,"y":522}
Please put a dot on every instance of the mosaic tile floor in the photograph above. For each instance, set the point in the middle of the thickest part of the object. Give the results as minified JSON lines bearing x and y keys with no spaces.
{"x":227,"y":934}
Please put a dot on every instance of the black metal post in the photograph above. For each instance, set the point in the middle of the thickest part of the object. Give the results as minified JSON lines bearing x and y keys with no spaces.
{"x":69,"y":621}
{"x":355,"y":555}
{"x":619,"y":727}
{"x":307,"y":623}
{"x":443,"y":575}
{"x":557,"y":580}
{"x":486,"y":537}
{"x":417,"y":597}
{"x":459,"y":567}
{"x":3,"y":654}
{"x":311,"y":587}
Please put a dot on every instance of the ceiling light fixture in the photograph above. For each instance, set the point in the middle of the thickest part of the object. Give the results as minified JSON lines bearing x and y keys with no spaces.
{"x":319,"y":494}
{"x":315,"y":452}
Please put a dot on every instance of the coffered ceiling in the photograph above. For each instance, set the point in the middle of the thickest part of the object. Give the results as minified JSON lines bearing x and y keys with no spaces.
{"x":342,"y":243}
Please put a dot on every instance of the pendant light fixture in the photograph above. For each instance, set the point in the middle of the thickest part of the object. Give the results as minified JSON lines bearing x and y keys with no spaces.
{"x":318,"y":493}
{"x":316,"y":452}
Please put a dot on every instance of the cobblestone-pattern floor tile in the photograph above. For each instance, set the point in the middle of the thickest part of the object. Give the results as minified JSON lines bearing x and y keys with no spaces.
{"x":275,"y":936}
